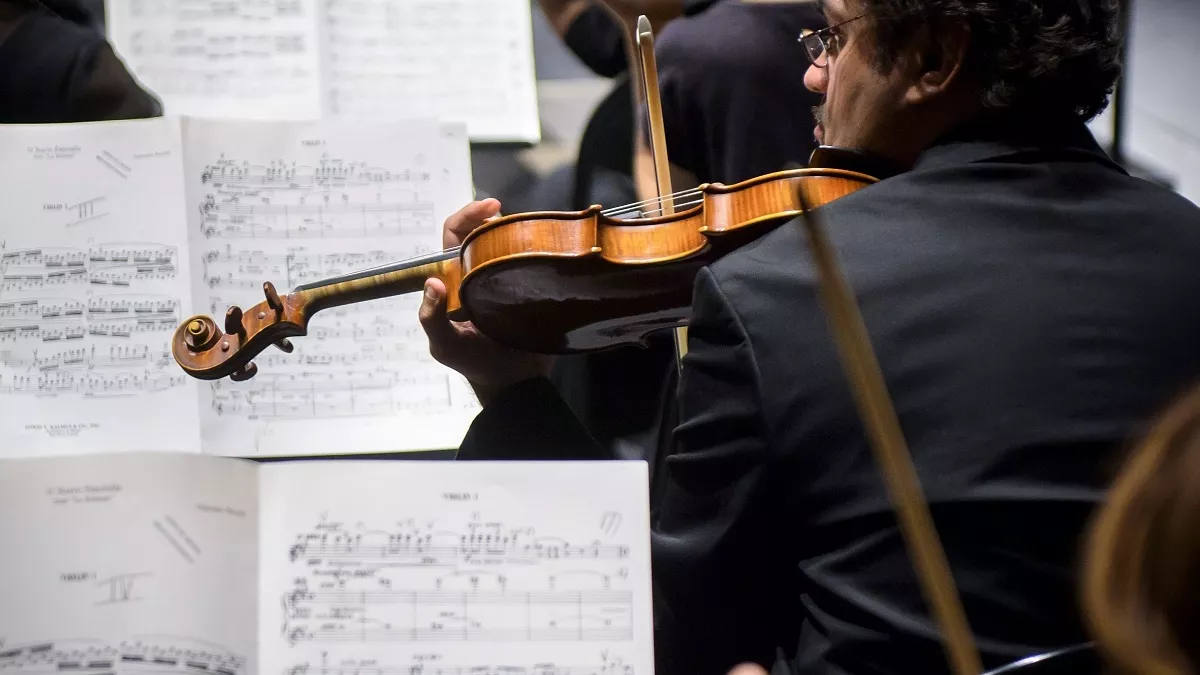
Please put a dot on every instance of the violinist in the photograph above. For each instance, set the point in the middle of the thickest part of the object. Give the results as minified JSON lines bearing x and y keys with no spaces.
{"x":1030,"y":303}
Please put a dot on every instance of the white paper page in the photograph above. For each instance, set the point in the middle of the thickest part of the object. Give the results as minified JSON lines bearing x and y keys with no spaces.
{"x":454,"y":154}
{"x":460,"y":60}
{"x":128,"y":563}
{"x":293,"y":203}
{"x":254,"y":59}
{"x":94,"y":278}
{"x":457,"y":566}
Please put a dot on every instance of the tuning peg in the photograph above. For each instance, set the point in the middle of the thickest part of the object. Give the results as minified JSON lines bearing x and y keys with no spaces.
{"x":273,"y":300}
{"x":285,"y":345}
{"x":233,"y":322}
{"x":244,"y":373}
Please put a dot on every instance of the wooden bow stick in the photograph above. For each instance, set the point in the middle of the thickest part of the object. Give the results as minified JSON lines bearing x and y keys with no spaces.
{"x":658,"y":141}
{"x":878,"y":414}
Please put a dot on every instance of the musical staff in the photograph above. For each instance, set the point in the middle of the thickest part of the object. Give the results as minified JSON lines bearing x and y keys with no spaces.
{"x":331,"y":395}
{"x":613,"y":667}
{"x":280,"y":176}
{"x":118,"y":316}
{"x":585,"y":616}
{"x":89,"y":358}
{"x":445,"y":548}
{"x":147,"y":381}
{"x":231,"y":268}
{"x":107,"y":264}
{"x":233,"y":219}
{"x":155,"y":657}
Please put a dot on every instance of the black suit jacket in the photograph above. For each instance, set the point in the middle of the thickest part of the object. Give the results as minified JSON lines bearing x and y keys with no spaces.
{"x":1031,"y":306}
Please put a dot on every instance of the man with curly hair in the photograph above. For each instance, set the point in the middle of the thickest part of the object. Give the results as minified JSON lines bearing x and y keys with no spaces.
{"x":1031,"y":305}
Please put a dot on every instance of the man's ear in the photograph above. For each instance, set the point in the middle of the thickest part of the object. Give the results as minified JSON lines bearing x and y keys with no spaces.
{"x":941,"y":61}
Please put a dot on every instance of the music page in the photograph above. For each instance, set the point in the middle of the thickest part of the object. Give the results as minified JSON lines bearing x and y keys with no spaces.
{"x":94,"y":278}
{"x":128,"y":563}
{"x":457,"y":568}
{"x":253,"y":59}
{"x":459,"y":60}
{"x":294,"y":203}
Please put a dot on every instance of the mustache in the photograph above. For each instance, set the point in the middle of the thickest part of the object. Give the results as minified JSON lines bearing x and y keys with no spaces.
{"x":818,"y":112}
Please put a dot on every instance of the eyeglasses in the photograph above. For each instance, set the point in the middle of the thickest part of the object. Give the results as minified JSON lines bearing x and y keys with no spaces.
{"x":820,"y":44}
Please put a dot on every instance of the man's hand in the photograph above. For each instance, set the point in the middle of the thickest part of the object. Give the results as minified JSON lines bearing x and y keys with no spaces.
{"x":488,"y":366}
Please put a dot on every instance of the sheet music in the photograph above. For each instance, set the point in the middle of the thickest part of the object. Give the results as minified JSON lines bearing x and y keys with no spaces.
{"x":215,"y":58}
{"x":468,"y":61}
{"x":293,"y":203}
{"x":462,"y":60}
{"x":94,"y":277}
{"x":455,"y":568}
{"x":134,"y":563}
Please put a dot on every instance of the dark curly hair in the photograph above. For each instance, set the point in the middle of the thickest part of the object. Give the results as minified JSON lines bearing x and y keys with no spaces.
{"x":1057,"y":54}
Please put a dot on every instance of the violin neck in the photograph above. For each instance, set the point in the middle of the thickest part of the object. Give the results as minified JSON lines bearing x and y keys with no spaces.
{"x":406,"y":276}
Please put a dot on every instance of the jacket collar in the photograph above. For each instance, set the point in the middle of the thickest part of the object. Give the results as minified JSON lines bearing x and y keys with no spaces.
{"x":1015,"y":138}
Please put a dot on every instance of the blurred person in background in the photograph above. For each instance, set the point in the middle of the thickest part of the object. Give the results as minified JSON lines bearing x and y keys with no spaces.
{"x":56,"y":66}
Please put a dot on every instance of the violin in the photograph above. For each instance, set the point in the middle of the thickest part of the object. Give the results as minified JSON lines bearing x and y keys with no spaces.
{"x":544,"y":282}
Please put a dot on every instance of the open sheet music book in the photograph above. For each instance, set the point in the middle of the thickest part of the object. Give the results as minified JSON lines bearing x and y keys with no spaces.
{"x":460,"y":60}
{"x":116,"y":232}
{"x":194,"y":565}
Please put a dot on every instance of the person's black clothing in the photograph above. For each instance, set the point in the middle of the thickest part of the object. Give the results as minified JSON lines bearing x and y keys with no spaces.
{"x":53,"y":70}
{"x":733,"y":96}
{"x":595,"y":38}
{"x":1031,"y":306}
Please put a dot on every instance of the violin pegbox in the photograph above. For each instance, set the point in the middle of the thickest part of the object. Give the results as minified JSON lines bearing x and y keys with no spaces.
{"x":207,"y":352}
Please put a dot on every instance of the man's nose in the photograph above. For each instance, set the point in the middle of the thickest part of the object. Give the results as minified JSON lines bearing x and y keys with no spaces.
{"x":816,"y":79}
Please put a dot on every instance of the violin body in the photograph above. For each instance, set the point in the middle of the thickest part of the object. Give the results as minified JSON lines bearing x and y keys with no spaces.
{"x":547,"y":282}
{"x":557,"y":283}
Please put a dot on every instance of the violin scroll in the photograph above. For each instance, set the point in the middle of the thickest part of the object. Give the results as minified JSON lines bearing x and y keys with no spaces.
{"x":207,"y":352}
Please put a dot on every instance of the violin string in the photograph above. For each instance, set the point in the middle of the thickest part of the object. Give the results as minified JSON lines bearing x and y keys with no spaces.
{"x":631,"y":208}
{"x":635,"y":206}
{"x":678,"y":206}
{"x":456,"y":249}
{"x":681,"y":193}
{"x":621,"y":210}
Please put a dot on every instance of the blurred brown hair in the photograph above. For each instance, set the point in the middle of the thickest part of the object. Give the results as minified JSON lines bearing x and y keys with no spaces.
{"x":1141,"y":580}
